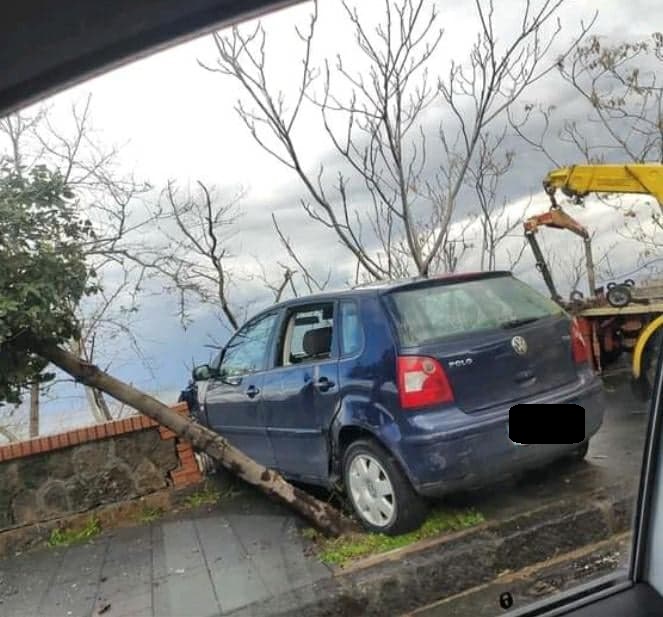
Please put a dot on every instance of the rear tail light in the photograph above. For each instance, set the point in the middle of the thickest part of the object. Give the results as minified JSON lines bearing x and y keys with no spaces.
{"x":422,"y":382}
{"x":579,"y":346}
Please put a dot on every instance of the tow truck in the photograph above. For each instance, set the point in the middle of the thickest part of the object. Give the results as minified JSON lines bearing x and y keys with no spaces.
{"x":622,"y":317}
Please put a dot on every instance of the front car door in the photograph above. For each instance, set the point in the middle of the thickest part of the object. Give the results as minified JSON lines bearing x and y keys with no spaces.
{"x":301,"y":392}
{"x":233,"y":399}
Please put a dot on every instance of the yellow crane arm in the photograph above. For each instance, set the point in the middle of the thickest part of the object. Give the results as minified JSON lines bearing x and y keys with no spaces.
{"x":578,"y":180}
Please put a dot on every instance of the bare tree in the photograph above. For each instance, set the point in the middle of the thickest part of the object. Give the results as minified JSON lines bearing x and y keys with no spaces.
{"x":621,"y":86}
{"x":33,"y":430}
{"x":492,"y":163}
{"x":194,"y":260}
{"x":392,"y":197}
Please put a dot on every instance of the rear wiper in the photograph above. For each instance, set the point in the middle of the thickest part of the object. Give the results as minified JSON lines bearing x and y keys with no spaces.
{"x":514,"y":323}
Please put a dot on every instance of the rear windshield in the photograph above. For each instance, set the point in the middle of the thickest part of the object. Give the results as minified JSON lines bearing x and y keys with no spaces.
{"x":434,"y":312}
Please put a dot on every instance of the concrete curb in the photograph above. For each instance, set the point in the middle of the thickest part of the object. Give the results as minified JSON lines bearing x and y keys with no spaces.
{"x":405,"y":579}
{"x":536,"y":582}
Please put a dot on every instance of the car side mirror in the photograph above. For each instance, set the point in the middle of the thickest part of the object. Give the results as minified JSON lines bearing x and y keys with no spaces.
{"x":202,"y":372}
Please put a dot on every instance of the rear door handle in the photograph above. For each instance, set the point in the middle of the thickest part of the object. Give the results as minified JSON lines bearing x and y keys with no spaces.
{"x":252,"y":391}
{"x":324,"y":383}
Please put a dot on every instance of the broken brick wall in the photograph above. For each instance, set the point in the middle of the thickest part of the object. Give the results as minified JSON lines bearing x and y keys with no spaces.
{"x":56,"y":475}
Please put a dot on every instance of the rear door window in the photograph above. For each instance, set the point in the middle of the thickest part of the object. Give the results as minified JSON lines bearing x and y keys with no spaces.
{"x":442,"y":310}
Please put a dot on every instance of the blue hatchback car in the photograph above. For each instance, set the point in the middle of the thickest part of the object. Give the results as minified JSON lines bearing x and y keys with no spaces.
{"x":400,"y":391}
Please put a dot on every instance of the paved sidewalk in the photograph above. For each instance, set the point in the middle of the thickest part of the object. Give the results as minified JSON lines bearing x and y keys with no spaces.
{"x":199,"y":565}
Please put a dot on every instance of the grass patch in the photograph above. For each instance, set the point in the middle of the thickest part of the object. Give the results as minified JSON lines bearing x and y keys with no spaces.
{"x":149,"y":514}
{"x":341,"y":551}
{"x":207,"y":496}
{"x":68,"y":536}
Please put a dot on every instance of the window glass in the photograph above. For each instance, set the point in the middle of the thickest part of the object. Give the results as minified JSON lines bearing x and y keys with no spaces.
{"x":439,"y":311}
{"x":352,"y":335}
{"x":247,"y":350}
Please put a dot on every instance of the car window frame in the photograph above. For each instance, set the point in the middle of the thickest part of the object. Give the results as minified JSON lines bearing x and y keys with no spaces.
{"x":279,"y":340}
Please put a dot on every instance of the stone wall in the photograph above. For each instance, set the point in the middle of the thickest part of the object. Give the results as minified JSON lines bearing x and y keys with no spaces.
{"x":52,"y":477}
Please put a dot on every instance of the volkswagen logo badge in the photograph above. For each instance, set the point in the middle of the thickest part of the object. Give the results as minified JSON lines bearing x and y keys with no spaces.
{"x":519,"y":345}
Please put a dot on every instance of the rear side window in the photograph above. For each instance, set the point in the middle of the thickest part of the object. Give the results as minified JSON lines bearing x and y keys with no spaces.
{"x":352,"y":337}
{"x":439,"y":311}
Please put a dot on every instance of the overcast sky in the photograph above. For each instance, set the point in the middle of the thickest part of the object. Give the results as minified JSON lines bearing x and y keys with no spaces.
{"x":176,"y":121}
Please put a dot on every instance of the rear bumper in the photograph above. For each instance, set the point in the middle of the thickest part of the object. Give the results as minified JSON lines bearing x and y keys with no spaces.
{"x":469,"y":453}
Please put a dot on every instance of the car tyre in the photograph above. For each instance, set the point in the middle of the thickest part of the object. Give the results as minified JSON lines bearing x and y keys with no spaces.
{"x":373,"y":481}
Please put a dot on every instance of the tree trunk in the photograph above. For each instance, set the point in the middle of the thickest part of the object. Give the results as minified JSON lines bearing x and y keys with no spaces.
{"x":33,"y":424}
{"x":323,"y":516}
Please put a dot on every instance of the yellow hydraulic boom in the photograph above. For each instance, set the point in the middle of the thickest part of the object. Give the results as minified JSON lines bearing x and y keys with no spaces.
{"x":579,"y":180}
{"x":576,"y":182}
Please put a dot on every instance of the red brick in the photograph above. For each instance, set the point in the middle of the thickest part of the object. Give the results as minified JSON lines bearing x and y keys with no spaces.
{"x":99,"y":431}
{"x":66,"y":437}
{"x":179,"y":478}
{"x":74,"y":438}
{"x":83,"y":435}
{"x":111,"y":429}
{"x":181,"y":408}
{"x":135,"y":423}
{"x":166,"y":433}
{"x":2,"y":453}
{"x":185,"y":454}
{"x":15,"y":450}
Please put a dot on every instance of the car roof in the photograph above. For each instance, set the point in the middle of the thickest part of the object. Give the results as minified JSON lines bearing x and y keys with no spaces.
{"x":382,"y":287}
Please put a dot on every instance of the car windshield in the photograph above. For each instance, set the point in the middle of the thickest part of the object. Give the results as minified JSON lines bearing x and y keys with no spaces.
{"x":436,"y":311}
{"x":298,"y":310}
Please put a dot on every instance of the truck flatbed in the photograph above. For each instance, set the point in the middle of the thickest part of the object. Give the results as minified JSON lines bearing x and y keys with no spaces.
{"x":631,"y":309}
